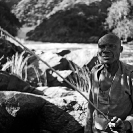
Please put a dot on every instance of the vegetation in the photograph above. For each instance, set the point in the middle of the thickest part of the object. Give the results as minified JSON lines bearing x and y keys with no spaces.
{"x":11,"y":3}
{"x":8,"y":20}
{"x":18,"y":66}
{"x":75,"y":20}
{"x":120,"y":19}
{"x":32,"y":12}
{"x":78,"y":23}
{"x":80,"y":78}
{"x":72,"y":20}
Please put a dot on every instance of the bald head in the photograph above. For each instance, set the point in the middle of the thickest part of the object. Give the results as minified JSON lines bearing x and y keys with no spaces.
{"x":110,"y":39}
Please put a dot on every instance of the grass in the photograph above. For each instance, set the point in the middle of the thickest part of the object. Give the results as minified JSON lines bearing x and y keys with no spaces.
{"x":80,"y":78}
{"x":17,"y":66}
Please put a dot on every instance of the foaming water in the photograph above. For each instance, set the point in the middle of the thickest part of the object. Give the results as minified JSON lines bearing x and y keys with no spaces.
{"x":49,"y":46}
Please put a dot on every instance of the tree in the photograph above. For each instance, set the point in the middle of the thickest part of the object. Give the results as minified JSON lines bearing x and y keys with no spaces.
{"x":8,"y":20}
{"x":11,"y":3}
{"x":77,"y":23}
{"x":119,"y":20}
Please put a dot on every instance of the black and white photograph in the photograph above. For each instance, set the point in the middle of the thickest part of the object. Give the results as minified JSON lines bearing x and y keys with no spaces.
{"x":66,"y":66}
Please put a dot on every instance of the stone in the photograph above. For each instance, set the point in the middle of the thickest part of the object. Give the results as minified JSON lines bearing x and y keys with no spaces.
{"x":11,"y":82}
{"x":30,"y":113}
{"x":63,"y":52}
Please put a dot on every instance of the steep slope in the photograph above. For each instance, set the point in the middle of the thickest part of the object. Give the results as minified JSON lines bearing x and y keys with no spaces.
{"x":77,"y":23}
{"x":31,"y":12}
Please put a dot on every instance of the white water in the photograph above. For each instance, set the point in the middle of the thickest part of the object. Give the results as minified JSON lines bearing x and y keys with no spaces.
{"x":41,"y":46}
{"x":48,"y":45}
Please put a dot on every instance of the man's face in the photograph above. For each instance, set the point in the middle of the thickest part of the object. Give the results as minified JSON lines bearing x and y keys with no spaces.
{"x":109,"y":52}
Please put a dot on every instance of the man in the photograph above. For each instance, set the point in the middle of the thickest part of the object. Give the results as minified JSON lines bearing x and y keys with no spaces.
{"x":111,"y":90}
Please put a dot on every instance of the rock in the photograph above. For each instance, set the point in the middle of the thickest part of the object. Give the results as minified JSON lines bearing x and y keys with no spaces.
{"x":68,"y":100}
{"x":81,"y":57}
{"x":72,"y":61}
{"x":92,"y":63}
{"x":63,"y":52}
{"x":10,"y":82}
{"x":64,"y":74}
{"x":64,"y":69}
{"x":18,"y":112}
{"x":29,"y":113}
{"x":63,"y":65}
{"x":51,"y":58}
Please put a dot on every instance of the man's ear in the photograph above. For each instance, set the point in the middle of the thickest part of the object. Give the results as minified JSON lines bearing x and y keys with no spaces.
{"x":121,"y":48}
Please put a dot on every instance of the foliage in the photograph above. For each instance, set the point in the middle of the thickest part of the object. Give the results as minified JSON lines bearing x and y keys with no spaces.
{"x":80,"y":78}
{"x":8,"y":20}
{"x":83,"y":19}
{"x":19,"y":67}
{"x":76,"y":24}
{"x":11,"y":3}
{"x":32,"y":12}
{"x":119,"y":19}
{"x":16,"y":65}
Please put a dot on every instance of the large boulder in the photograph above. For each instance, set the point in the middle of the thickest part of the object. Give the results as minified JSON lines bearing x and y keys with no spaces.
{"x":11,"y":82}
{"x":68,"y":100}
{"x":60,"y":111}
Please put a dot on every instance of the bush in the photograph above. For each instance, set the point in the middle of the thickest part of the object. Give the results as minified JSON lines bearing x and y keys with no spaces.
{"x":8,"y":20}
{"x":74,"y":25}
{"x":119,"y":19}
